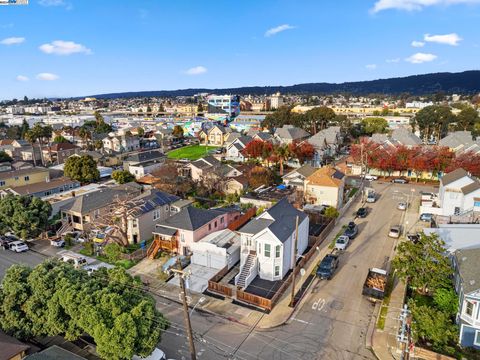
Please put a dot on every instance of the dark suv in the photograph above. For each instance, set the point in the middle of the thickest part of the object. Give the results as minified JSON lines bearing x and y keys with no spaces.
{"x":327,"y":266}
{"x":352,"y":230}
{"x":362,"y":212}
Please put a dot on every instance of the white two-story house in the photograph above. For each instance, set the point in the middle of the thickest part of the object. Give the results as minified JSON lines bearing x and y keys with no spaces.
{"x":267,"y":243}
{"x":467,"y":286}
{"x":459,"y":193}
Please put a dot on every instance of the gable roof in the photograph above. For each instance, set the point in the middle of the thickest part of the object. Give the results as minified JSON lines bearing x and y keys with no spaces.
{"x":264,"y":136}
{"x":43,"y":186}
{"x":190,"y":218}
{"x":10,"y":346}
{"x":283,"y":224}
{"x":406,"y":137}
{"x":475,"y":185}
{"x":326,"y":176}
{"x":456,"y":139}
{"x":290,"y":132}
{"x":467,"y":261}
{"x":306,"y":170}
{"x":453,"y":176}
{"x":145,"y":156}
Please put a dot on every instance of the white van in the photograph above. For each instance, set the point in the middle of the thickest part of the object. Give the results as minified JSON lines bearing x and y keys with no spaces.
{"x":77,"y":261}
{"x":157,"y":354}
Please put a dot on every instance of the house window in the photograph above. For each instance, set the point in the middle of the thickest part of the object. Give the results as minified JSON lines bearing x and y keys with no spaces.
{"x":267,"y":250}
{"x":2,"y":183}
{"x":277,"y":270}
{"x":277,"y":251}
{"x":156,"y":214}
{"x":476,"y":341}
{"x":221,"y":220}
{"x":249,"y":241}
{"x":215,"y":224}
{"x":468,"y":308}
{"x":166,"y":208}
{"x":209,"y":226}
{"x":182,"y":237}
{"x":27,"y":178}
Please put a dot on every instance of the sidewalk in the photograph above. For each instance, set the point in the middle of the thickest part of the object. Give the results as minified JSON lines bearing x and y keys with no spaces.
{"x":384,"y":342}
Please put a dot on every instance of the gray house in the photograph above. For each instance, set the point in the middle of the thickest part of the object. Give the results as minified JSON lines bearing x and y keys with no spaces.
{"x":146,"y":210}
{"x":467,"y":286}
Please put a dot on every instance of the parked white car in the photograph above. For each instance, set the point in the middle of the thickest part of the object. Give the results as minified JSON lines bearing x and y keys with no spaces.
{"x":402,"y":206}
{"x":57,"y":243}
{"x":370,"y":177}
{"x":157,"y":354}
{"x":18,"y":246}
{"x":77,"y":261}
{"x":395,"y":231}
{"x":342,"y":242}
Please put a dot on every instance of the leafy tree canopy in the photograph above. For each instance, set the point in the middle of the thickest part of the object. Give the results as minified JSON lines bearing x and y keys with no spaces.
{"x":4,"y":157}
{"x":56,"y":299}
{"x":375,"y":125}
{"x":24,"y":215}
{"x":82,"y":168}
{"x":122,"y":176}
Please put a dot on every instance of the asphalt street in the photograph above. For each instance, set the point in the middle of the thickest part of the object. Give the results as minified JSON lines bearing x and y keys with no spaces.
{"x":333,"y":320}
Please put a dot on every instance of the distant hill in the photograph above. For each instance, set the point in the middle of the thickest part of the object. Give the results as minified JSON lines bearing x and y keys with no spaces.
{"x":467,"y":82}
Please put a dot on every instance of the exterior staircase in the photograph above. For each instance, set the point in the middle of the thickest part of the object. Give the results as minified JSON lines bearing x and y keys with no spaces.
{"x":66,"y":226}
{"x":153,"y":249}
{"x":246,"y":269}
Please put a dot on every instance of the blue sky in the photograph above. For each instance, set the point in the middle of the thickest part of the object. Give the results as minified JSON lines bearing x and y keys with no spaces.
{"x":82,"y":47}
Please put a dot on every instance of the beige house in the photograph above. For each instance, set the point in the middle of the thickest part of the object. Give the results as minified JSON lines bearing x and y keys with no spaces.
{"x":236,"y":185}
{"x":22,"y":177}
{"x":215,"y":136}
{"x":325,"y":187}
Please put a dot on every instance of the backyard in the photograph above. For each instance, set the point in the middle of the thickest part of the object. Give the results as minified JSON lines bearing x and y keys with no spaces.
{"x":192,"y":152}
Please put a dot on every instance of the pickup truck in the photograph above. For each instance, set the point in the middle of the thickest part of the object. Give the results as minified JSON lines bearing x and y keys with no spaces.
{"x":375,"y":284}
{"x":327,"y":266}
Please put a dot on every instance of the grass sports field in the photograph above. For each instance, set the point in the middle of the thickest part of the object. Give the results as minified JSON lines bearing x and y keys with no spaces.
{"x":192,"y":152}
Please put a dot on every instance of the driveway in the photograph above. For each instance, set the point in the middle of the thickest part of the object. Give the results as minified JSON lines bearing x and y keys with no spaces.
{"x":198,"y":279}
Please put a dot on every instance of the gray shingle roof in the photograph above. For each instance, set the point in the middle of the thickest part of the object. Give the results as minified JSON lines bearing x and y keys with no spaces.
{"x":456,"y":139}
{"x":190,"y":218}
{"x":145,"y":156}
{"x":467,"y":261}
{"x":149,"y":201}
{"x":406,"y":137}
{"x":289,"y":132}
{"x":162,"y":230}
{"x":471,"y":187}
{"x":453,"y":176}
{"x":283,"y":225}
{"x":306,"y":170}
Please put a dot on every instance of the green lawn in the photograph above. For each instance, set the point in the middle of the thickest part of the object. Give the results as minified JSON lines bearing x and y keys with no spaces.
{"x":192,"y":152}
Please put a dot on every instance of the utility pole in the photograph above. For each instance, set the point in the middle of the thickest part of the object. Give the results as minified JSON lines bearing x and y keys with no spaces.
{"x":182,"y":275}
{"x":292,"y":299}
{"x":404,"y":337}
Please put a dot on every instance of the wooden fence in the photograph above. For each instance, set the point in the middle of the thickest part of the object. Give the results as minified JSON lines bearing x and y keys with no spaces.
{"x":216,"y":287}
{"x":259,"y":301}
{"x":242,"y":220}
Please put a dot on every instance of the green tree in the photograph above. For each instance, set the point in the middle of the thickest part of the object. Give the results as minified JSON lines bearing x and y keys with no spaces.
{"x":81,"y":168}
{"x":122,"y":176}
{"x":318,"y":118}
{"x":59,"y":139}
{"x":331,"y":212}
{"x":375,"y":125}
{"x":140,"y":131}
{"x":423,"y":264}
{"x":433,"y":121}
{"x":467,"y":118}
{"x":434,"y":326}
{"x":446,"y":300}
{"x":282,"y":116}
{"x":113,"y":252}
{"x":4,"y":157}
{"x":26,"y":216}
{"x":100,"y":125}
{"x":56,"y":299}
{"x":24,"y":128}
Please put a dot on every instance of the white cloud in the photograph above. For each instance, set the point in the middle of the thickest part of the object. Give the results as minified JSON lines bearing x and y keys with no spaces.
{"x":278,"y":29}
{"x":47,"y":77}
{"x":60,"y":47}
{"x":197,"y":70}
{"x":418,"y":44}
{"x":12,"y":41}
{"x":371,"y":66}
{"x":447,"y":39}
{"x":393,"y":61}
{"x":420,"y":58}
{"x":415,"y":5}
{"x":52,"y":3}
{"x":22,"y":78}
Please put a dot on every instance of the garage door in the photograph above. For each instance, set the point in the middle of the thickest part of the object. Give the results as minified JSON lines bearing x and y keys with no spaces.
{"x":199,"y":258}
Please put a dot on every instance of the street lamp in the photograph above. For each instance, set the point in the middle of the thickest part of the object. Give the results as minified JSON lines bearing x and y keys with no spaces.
{"x":200,"y":301}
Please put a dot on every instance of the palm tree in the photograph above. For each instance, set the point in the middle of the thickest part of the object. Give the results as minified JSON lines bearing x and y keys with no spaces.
{"x":283,"y":154}
{"x":85,"y":135}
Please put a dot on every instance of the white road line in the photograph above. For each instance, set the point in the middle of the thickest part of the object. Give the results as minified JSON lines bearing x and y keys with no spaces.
{"x":301,"y":321}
